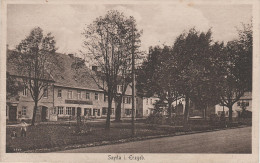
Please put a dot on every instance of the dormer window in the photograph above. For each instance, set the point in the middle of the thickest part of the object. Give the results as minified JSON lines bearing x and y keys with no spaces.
{"x":79,"y":94}
{"x":69,"y":94}
{"x":87,"y":96}
{"x":96,"y":96}
{"x":59,"y":93}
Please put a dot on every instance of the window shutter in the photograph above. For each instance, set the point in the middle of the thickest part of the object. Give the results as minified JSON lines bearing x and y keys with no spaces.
{"x":98,"y":112}
{"x":73,"y":111}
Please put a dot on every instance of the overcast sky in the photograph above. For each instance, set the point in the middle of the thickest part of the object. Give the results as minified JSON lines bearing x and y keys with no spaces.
{"x":161,"y":24}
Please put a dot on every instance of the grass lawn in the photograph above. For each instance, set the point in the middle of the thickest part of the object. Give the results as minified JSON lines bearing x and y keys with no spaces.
{"x":58,"y":135}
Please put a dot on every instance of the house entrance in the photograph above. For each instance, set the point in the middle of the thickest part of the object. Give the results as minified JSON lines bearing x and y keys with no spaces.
{"x":78,"y":111}
{"x":44,"y":114}
{"x":12,"y":113}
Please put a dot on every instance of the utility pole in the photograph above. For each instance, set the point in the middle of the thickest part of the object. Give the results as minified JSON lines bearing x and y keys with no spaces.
{"x":133,"y":82}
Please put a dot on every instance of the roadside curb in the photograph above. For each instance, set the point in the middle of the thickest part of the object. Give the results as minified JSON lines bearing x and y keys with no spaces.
{"x":120,"y":141}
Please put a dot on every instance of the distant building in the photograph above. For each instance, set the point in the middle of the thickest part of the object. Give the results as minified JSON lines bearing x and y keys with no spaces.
{"x":145,"y":106}
{"x":245,"y":100}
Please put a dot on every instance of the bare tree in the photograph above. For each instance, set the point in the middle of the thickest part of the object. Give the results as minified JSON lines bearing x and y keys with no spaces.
{"x":35,"y":62}
{"x":108,"y":45}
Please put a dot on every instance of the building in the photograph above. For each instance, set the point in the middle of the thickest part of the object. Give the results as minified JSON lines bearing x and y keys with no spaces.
{"x":145,"y":106}
{"x":245,"y":100}
{"x":70,"y":93}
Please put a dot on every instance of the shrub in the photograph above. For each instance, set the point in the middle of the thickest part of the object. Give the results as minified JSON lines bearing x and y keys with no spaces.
{"x":156,"y":119}
{"x":178,"y":120}
{"x":214,"y":120}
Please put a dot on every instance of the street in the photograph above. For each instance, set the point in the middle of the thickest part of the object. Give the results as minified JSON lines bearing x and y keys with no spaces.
{"x":224,"y":141}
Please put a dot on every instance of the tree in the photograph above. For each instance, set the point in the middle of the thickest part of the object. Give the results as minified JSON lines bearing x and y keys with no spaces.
{"x":124,"y":82}
{"x":193,"y":51}
{"x":36,"y":63}
{"x":125,"y":78}
{"x":146,"y":81}
{"x":159,"y":75}
{"x":167,"y":78}
{"x":209,"y":79}
{"x":237,"y":66}
{"x":13,"y":86}
{"x":108,"y":43}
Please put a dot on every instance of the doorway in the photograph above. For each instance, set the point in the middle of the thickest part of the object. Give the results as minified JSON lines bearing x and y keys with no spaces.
{"x":12,"y":113}
{"x":78,"y":111}
{"x":44,"y":114}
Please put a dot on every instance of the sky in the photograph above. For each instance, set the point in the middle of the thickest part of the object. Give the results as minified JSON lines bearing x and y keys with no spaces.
{"x":161,"y":23}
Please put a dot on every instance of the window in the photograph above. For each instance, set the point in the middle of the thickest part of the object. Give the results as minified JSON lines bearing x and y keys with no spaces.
{"x":127,"y":100}
{"x":60,"y":110}
{"x":119,"y":88}
{"x":87,"y":96}
{"x":151,"y":101}
{"x":147,"y":101}
{"x":127,"y":111}
{"x":25,"y":91}
{"x":147,"y":111}
{"x":79,"y":95}
{"x":45,"y":92}
{"x":112,"y":111}
{"x":247,"y":103}
{"x":136,"y":100}
{"x":69,"y":110}
{"x":87,"y":111}
{"x":96,"y":112}
{"x":59,"y":93}
{"x":69,"y":94}
{"x":96,"y":96}
{"x":24,"y":111}
{"x":105,"y":97}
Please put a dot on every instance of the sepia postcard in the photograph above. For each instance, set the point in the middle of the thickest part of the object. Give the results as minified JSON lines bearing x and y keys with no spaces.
{"x":129,"y":81}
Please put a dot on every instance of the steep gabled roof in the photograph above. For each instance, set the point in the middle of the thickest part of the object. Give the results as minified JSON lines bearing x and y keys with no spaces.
{"x":67,"y":76}
{"x":63,"y":73}
{"x":13,"y":69}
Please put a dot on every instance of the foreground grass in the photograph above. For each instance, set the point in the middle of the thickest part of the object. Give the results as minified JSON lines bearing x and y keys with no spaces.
{"x":61,"y":135}
{"x":58,"y":135}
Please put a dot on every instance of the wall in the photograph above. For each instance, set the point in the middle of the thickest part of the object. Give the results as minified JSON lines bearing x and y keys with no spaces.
{"x":247,"y":98}
{"x":27,"y":101}
{"x":92,"y":103}
{"x":148,"y":105}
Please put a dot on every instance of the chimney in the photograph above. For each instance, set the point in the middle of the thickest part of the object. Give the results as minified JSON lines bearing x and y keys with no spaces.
{"x":71,"y":55}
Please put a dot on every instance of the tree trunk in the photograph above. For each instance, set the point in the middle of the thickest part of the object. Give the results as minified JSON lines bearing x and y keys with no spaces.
{"x":170,"y":110}
{"x":108,"y":114}
{"x":34,"y":112}
{"x":118,"y":109}
{"x":230,"y":113}
{"x":186,"y":111}
{"x":205,"y":113}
